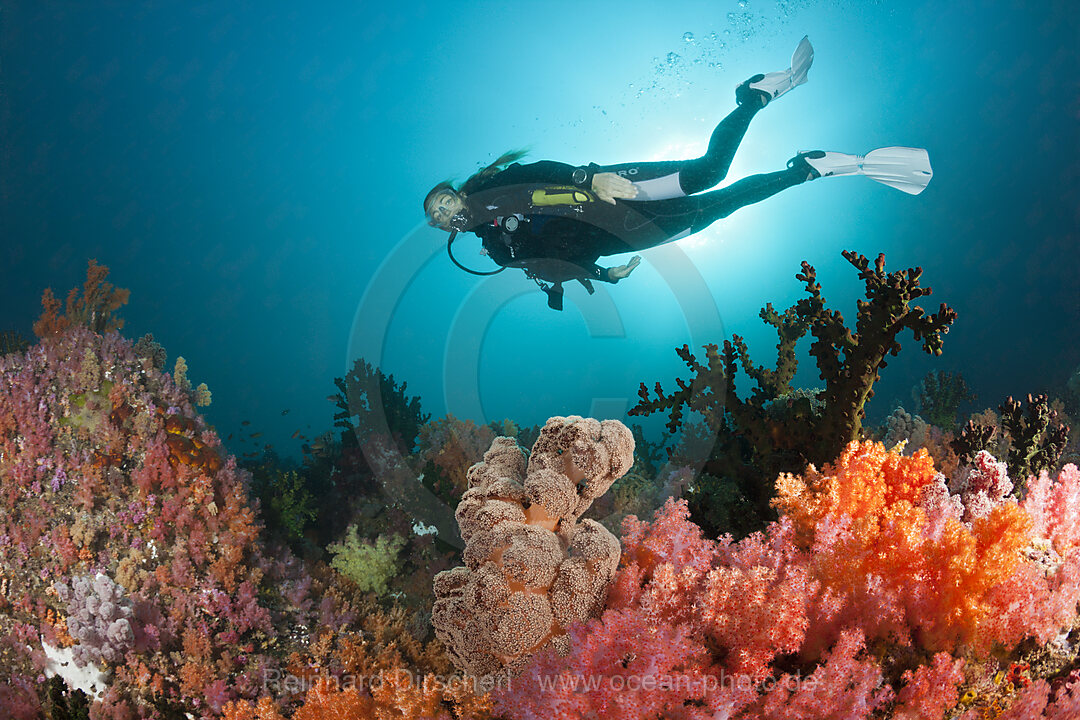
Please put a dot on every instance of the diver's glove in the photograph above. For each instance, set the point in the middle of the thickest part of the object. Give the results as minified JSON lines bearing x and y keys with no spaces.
{"x":617,"y":273}
{"x":554,"y":295}
{"x":608,"y":186}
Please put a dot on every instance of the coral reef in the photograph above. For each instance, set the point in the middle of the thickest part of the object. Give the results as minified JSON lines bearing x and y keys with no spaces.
{"x":94,"y":308}
{"x":11,"y":342}
{"x":776,"y":429}
{"x":940,"y":396}
{"x":369,"y":565}
{"x":1032,"y":437}
{"x":136,"y":580}
{"x":107,"y":472}
{"x":532,"y":568}
{"x":99,"y":617}
{"x":870,"y":596}
{"x":105,"y":469}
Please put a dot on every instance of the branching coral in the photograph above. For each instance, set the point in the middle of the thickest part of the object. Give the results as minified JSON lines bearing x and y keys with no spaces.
{"x":759,"y":437}
{"x":531,"y":567}
{"x":93,"y":309}
{"x":940,"y":396}
{"x":371,"y":402}
{"x":1033,"y":435}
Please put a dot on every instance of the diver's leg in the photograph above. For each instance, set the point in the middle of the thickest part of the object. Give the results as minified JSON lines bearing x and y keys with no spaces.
{"x":661,"y":222}
{"x":706,"y":171}
{"x":676,"y":178}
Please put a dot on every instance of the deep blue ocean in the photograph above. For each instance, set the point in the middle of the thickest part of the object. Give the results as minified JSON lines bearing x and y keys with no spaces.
{"x":253,"y":172}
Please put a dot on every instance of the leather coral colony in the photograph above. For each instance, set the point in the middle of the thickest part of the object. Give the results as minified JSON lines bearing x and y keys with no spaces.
{"x":531,"y":567}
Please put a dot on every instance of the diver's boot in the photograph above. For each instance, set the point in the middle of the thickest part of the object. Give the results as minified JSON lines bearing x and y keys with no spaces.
{"x":766,"y":88}
{"x":802,"y":161}
{"x":903,"y":168}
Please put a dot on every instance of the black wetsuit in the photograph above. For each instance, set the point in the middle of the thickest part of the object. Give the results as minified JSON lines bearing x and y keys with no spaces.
{"x":560,"y":233}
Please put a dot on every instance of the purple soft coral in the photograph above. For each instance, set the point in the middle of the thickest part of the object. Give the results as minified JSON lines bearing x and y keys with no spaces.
{"x":99,"y":617}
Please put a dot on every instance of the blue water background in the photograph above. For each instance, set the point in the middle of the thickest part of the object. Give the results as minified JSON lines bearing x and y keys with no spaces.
{"x":253,"y":172}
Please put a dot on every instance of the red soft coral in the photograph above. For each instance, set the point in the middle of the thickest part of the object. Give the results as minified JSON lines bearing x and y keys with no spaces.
{"x":930,"y":690}
{"x":844,"y":687}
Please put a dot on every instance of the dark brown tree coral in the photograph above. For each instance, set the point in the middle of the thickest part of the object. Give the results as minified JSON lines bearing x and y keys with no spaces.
{"x":778,"y":429}
{"x":1035,"y":438}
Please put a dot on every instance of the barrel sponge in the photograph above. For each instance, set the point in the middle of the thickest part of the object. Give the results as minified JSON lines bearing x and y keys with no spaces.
{"x":531,"y":567}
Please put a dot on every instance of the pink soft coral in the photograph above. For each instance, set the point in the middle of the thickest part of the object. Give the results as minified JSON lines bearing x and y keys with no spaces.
{"x":930,"y":690}
{"x":982,"y":485}
{"x":873,"y":547}
{"x":844,"y":687}
{"x":757,"y":604}
{"x":623,"y":665}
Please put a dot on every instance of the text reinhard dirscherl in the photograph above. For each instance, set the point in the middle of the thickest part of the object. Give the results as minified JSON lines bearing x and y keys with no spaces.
{"x":693,"y":685}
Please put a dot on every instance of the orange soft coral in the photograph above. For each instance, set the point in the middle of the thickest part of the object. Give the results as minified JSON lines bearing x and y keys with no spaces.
{"x":863,"y":481}
{"x":903,"y":561}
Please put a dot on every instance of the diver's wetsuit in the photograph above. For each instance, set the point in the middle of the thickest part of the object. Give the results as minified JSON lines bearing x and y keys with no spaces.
{"x":560,"y":233}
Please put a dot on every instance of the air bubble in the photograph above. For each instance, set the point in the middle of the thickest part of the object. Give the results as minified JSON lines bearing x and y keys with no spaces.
{"x":688,"y":37}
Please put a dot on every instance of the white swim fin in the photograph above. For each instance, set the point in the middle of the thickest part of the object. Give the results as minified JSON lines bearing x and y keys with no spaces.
{"x":775,"y":84}
{"x":903,"y":168}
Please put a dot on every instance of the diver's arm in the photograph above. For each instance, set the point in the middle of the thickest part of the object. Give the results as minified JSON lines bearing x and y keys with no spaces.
{"x":617,"y":273}
{"x":595,"y":272}
{"x":607,"y":186}
{"x":547,"y":171}
{"x":603,"y":274}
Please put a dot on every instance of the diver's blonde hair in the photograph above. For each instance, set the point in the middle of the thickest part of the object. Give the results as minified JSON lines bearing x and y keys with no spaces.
{"x":477,"y":178}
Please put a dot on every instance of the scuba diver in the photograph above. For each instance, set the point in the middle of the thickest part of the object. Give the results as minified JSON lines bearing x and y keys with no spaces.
{"x":555,"y":221}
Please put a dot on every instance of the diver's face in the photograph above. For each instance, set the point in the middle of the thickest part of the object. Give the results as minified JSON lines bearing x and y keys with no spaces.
{"x":446,"y":210}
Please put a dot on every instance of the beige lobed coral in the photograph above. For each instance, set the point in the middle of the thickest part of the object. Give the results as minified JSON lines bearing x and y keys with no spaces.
{"x":531,"y":567}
